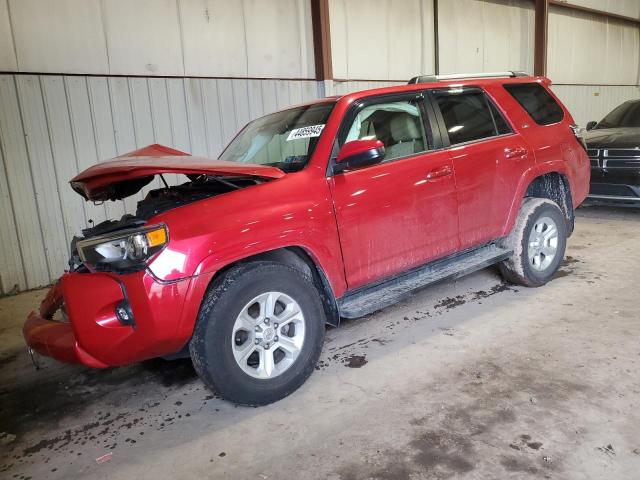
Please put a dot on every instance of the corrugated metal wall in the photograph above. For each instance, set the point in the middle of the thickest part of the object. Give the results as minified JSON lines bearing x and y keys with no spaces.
{"x":590,"y":49}
{"x":593,"y":102}
{"x":333,"y":87}
{"x":381,"y":39}
{"x":51,"y":127}
{"x":211,"y":38}
{"x":485,"y":36}
{"x":593,"y":60}
{"x":629,"y":8}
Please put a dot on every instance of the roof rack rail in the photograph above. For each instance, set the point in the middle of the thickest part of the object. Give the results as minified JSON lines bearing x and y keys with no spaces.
{"x":459,"y":76}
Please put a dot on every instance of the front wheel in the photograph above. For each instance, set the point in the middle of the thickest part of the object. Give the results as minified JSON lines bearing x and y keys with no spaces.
{"x":259,"y":333}
{"x":538,"y":241}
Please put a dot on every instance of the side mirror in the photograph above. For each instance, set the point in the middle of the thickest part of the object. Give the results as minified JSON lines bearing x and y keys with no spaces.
{"x":591,"y":124}
{"x":358,"y":154}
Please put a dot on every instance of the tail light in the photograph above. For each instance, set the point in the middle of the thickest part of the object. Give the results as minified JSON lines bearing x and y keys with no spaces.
{"x":578,"y":131}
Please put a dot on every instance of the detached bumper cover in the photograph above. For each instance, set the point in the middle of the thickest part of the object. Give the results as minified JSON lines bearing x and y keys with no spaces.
{"x":56,"y":339}
{"x":92,"y":335}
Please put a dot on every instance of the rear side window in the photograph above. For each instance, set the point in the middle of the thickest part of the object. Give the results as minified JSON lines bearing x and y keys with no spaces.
{"x":535,"y":99}
{"x":469,"y":115}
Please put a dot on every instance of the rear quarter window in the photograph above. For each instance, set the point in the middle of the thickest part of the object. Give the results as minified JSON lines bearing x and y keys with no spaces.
{"x":535,"y":99}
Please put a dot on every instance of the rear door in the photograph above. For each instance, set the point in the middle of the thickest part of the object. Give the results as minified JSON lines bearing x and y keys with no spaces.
{"x":550,"y":134}
{"x":401,"y":212}
{"x":488,"y":159}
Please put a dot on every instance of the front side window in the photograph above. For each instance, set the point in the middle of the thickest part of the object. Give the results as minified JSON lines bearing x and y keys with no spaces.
{"x":398,"y":125}
{"x":469,"y":115}
{"x":625,"y":115}
{"x":538,"y":103}
{"x":284,"y":139}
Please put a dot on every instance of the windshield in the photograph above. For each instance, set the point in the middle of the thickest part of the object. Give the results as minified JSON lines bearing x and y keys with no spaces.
{"x":284,"y":139}
{"x":626,"y":115}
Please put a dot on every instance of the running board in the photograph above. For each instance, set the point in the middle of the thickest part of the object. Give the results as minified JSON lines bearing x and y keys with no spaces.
{"x":371,"y":299}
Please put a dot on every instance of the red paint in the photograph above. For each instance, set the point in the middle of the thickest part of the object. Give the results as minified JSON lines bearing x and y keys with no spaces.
{"x":154,"y":160}
{"x":554,"y":149}
{"x":359,"y":226}
{"x":358,"y":147}
{"x":391,"y":217}
{"x":486,"y":182}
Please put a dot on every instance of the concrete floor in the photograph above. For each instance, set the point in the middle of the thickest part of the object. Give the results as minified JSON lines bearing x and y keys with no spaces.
{"x":472,"y":379}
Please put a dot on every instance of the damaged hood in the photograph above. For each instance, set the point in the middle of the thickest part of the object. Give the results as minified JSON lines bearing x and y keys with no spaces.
{"x":126,"y":175}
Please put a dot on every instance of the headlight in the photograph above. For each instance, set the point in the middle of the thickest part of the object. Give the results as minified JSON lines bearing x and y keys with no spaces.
{"x":124,"y":250}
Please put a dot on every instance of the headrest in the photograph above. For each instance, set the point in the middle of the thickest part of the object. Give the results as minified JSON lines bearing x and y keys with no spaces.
{"x":404,"y":127}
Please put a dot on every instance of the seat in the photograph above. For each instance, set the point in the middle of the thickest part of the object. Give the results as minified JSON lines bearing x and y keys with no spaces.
{"x":407,"y":135}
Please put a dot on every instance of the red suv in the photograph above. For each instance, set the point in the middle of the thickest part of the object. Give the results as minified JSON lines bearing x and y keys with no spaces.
{"x":335,"y":208}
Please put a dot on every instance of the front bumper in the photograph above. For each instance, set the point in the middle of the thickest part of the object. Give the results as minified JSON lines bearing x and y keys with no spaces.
{"x":93,"y":335}
{"x":56,"y":339}
{"x":615,"y":177}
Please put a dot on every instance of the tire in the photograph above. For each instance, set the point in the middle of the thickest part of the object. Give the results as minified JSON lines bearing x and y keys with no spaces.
{"x":537,"y":213}
{"x":221,"y":334}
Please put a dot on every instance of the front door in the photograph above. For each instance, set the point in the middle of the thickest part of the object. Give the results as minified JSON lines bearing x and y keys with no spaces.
{"x":402,"y":212}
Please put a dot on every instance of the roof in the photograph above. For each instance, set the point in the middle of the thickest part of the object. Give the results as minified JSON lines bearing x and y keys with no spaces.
{"x":453,"y":83}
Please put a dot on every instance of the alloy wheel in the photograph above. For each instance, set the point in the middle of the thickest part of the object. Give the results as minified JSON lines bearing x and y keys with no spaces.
{"x":543,"y":243}
{"x":268,"y":335}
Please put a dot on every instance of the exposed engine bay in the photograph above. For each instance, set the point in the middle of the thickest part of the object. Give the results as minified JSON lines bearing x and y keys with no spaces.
{"x":161,"y":200}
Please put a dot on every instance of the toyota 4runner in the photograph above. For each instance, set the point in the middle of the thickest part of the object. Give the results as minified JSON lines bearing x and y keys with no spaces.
{"x":332,"y":209}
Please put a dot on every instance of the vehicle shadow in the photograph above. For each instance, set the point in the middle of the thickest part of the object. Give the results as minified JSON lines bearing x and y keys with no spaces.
{"x":608,"y":212}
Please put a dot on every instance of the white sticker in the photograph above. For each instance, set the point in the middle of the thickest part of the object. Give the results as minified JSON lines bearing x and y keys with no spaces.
{"x":305,"y":132}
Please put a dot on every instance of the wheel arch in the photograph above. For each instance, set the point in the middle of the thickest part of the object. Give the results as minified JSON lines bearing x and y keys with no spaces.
{"x":544,"y":181}
{"x":555,"y":187}
{"x":300,"y":259}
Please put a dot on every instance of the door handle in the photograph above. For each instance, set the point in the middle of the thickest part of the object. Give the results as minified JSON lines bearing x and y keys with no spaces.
{"x":518,"y":152}
{"x":443,"y":171}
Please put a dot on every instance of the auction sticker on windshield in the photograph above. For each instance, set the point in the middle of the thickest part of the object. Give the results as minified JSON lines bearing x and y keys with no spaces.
{"x":305,"y":132}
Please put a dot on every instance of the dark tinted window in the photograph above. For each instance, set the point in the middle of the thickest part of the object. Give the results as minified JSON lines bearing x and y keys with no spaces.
{"x":625,"y":115}
{"x":467,"y":116}
{"x":537,"y":102}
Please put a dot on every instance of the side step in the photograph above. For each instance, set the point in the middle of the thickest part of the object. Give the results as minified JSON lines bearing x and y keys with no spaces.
{"x":371,"y":299}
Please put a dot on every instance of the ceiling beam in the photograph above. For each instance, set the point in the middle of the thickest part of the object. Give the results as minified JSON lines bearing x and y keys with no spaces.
{"x":321,"y":39}
{"x":540,"y":37}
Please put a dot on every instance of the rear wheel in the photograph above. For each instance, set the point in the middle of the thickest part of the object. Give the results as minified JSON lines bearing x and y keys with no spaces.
{"x":259,"y":333}
{"x":538,"y":241}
